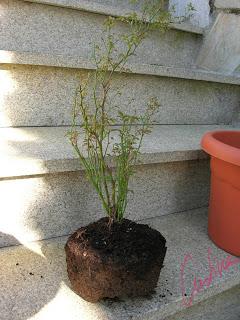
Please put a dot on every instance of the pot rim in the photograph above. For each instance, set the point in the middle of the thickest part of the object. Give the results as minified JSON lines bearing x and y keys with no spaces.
{"x":221,"y":150}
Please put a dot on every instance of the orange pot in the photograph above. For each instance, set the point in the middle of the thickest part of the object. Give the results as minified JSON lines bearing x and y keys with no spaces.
{"x":224,"y":209}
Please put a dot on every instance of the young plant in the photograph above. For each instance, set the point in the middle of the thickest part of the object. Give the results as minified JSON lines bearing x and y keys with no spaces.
{"x":109,"y":146}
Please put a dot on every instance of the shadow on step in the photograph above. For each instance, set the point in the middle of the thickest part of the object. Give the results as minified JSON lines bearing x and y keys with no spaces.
{"x":34,"y":284}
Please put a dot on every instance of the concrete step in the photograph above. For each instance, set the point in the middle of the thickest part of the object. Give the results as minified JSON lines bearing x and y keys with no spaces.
{"x":35,"y":27}
{"x":34,"y":282}
{"x":220,"y":50}
{"x":201,"y":14}
{"x":34,"y":151}
{"x":224,"y":306}
{"x":36,"y":95}
{"x":52,"y":196}
{"x":77,"y":62}
{"x":116,"y":8}
{"x":227,"y":4}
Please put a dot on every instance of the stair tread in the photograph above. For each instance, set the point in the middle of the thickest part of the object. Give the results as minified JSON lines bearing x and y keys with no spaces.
{"x":70,"y":61}
{"x":111,"y":9}
{"x":229,"y":4}
{"x":39,"y":150}
{"x":34,"y":282}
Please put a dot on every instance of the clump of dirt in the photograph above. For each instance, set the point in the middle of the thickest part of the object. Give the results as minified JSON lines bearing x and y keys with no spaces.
{"x":124,"y":259}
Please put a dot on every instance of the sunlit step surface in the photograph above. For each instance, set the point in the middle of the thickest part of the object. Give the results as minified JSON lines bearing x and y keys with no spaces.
{"x":33,"y":150}
{"x":40,"y":171}
{"x":34,"y":284}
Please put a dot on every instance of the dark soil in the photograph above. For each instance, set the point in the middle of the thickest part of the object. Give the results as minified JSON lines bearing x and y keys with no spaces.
{"x":122,"y":260}
{"x":211,"y":5}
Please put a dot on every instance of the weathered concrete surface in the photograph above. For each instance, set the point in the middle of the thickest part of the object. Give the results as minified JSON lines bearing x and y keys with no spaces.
{"x":224,"y":306}
{"x":200,"y":16}
{"x":221,"y":49}
{"x":43,"y":96}
{"x":100,"y":6}
{"x":55,"y":204}
{"x":115,"y":8}
{"x":34,"y":282}
{"x":35,"y":151}
{"x":34,"y":27}
{"x":106,"y":7}
{"x":227,"y":4}
{"x":68,"y":61}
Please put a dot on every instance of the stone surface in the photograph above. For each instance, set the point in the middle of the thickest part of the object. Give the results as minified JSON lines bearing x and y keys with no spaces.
{"x":221,"y":307}
{"x":220,"y":51}
{"x":56,"y":204}
{"x":111,"y":7}
{"x":34,"y":27}
{"x":237,"y":71}
{"x":227,"y":4}
{"x":34,"y":282}
{"x":114,"y":8}
{"x":34,"y":151}
{"x":68,"y":61}
{"x":43,"y":96}
{"x":200,"y":15}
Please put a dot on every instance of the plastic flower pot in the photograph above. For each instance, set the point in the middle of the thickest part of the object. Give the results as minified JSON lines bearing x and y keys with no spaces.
{"x":224,"y":209}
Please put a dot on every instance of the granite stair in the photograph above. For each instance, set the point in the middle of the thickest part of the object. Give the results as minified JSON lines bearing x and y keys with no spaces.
{"x":45,"y":47}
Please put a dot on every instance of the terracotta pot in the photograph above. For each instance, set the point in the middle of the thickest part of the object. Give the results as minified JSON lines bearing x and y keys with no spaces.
{"x":224,"y":209}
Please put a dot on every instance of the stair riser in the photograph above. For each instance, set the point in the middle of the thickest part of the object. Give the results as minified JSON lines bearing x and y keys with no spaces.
{"x":43,"y":96}
{"x":56,"y":204}
{"x":35,"y":27}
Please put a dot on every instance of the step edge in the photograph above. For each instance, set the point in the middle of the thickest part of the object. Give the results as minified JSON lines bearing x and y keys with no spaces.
{"x":20,"y":164}
{"x":74,"y":62}
{"x":25,"y":167}
{"x":227,"y":5}
{"x":109,"y":10}
{"x":177,"y":304}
